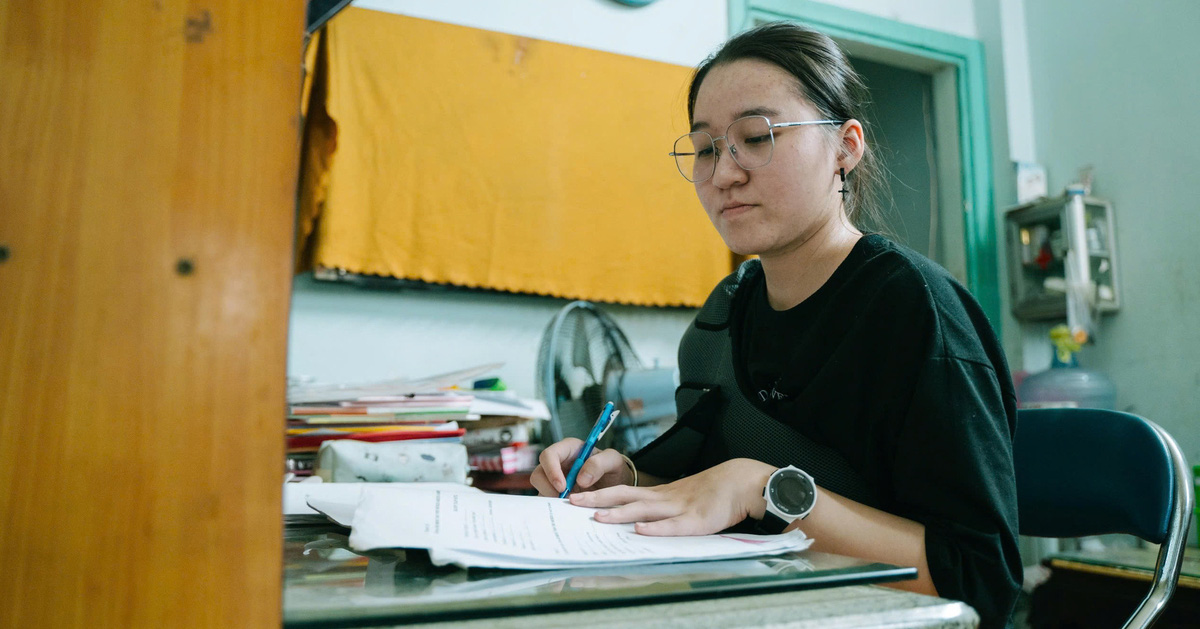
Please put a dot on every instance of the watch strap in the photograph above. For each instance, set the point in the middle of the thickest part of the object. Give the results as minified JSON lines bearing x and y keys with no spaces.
{"x":771,"y":524}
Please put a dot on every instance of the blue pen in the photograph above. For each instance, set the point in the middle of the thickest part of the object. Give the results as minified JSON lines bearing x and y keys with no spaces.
{"x":605,"y":420}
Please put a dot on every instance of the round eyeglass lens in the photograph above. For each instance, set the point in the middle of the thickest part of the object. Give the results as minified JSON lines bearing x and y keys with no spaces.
{"x":752,"y":141}
{"x":695,"y":156}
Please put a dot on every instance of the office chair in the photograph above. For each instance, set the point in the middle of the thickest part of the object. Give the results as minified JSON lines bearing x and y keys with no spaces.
{"x":1083,"y":471}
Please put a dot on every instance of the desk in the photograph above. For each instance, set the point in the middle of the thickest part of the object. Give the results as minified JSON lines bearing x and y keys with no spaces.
{"x":326,"y":584}
{"x":842,"y":607}
{"x":1103,"y":588}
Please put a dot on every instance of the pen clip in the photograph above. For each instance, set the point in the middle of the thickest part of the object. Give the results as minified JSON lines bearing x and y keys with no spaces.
{"x":608,"y":424}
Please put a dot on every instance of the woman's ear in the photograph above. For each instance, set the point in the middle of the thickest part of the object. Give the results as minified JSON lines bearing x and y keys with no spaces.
{"x":852,"y":144}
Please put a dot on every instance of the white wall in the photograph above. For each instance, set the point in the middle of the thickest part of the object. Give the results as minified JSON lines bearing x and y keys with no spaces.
{"x":341,"y":333}
{"x":956,"y":17}
{"x":673,"y":31}
{"x":1019,"y":93}
{"x":345,"y":334}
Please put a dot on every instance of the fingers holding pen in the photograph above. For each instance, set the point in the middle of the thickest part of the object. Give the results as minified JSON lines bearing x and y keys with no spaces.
{"x":540,"y":482}
{"x":550,"y":477}
{"x":604,"y":468}
{"x":604,"y":465}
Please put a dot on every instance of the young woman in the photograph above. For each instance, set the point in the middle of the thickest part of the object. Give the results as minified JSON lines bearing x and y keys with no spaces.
{"x":841,"y":383}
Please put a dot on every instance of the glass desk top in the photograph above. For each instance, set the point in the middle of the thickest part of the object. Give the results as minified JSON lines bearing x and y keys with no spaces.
{"x":327,"y":584}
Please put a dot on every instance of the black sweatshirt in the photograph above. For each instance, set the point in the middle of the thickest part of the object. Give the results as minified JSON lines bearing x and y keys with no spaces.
{"x":893,"y":364}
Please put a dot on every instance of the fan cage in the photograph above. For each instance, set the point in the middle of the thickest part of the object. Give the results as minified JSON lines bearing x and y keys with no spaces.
{"x":580,"y":346}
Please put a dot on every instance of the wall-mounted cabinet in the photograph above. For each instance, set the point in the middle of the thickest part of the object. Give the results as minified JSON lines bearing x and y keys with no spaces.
{"x":1046,"y":237}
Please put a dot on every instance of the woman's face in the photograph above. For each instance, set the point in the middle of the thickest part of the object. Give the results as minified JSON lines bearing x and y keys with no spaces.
{"x":776,"y":208}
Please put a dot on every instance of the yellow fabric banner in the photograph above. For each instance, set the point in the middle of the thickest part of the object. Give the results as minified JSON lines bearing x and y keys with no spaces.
{"x":482,"y":159}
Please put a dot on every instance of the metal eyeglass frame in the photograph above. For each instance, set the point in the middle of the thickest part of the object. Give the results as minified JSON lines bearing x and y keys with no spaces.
{"x":771,"y":126}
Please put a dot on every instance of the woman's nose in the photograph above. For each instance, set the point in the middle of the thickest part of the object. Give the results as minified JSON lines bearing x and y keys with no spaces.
{"x":727,"y":171}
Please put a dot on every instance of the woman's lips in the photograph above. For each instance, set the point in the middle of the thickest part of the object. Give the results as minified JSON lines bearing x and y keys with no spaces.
{"x":734,"y":209}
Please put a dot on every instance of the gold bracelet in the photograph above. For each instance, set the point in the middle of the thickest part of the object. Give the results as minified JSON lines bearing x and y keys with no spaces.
{"x":632,"y":468}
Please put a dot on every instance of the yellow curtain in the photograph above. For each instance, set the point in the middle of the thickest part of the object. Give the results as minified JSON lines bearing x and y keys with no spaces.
{"x":316,"y":151}
{"x":481,"y":159}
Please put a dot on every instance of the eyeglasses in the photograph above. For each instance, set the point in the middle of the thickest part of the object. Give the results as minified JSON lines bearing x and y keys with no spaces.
{"x":751,"y":142}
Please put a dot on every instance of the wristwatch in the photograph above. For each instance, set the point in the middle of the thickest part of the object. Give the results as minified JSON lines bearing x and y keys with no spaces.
{"x":791,"y":493}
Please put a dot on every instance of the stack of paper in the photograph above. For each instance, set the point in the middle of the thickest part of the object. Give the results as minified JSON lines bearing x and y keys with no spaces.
{"x":305,"y":393}
{"x":470,"y":528}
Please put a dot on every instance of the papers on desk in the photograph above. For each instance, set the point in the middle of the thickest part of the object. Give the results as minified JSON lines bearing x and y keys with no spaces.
{"x":340,"y":498}
{"x":472,"y":529}
{"x":317,"y":393}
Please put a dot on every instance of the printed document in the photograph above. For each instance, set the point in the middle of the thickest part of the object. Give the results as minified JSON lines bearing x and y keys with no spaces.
{"x":476,"y":529}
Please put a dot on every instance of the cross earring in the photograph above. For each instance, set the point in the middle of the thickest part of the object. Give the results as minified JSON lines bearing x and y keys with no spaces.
{"x":844,"y":191}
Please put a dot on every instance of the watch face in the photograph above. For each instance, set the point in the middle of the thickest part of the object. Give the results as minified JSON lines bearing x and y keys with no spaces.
{"x":792,"y":492}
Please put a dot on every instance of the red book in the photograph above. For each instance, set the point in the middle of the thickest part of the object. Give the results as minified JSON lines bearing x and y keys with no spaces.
{"x":312,"y":441}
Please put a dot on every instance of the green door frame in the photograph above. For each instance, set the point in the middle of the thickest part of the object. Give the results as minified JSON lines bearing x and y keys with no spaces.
{"x":966,"y":57}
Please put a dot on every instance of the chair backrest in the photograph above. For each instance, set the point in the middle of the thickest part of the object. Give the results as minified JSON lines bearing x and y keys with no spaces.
{"x":1092,"y":472}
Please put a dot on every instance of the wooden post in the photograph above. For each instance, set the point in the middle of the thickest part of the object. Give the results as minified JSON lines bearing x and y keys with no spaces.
{"x":148,"y":155}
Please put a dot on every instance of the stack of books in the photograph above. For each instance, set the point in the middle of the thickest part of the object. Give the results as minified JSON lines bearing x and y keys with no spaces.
{"x":427,"y":416}
{"x":502,"y":444}
{"x":420,"y":410}
{"x":506,"y":437}
{"x":499,"y":430}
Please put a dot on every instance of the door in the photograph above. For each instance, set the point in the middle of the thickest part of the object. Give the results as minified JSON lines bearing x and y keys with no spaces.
{"x":147,"y":186}
{"x":907,"y":119}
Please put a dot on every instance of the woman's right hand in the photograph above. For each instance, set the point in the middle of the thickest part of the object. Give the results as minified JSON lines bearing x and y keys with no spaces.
{"x":605,"y":468}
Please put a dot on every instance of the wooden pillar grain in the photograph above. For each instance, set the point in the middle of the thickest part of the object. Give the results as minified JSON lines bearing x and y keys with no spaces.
{"x":148,"y":155}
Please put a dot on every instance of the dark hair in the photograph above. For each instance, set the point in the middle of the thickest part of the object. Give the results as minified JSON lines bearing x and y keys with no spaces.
{"x":826,"y":79}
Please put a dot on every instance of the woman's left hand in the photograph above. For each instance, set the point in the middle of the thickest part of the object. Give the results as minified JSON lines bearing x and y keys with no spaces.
{"x":704,"y":503}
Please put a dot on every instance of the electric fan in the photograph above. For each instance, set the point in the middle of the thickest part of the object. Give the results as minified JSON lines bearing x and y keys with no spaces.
{"x":584,"y":361}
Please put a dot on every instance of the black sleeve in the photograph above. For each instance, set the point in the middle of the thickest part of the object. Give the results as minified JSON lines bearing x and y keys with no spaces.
{"x":954,"y":473}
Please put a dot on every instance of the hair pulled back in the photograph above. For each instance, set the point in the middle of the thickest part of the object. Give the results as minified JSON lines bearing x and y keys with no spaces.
{"x":826,"y":79}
